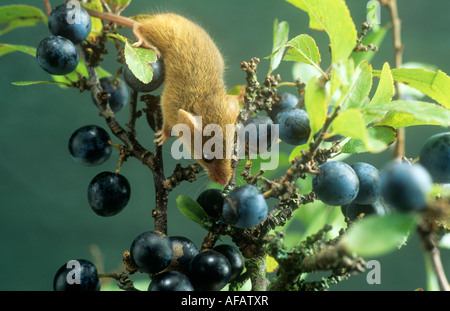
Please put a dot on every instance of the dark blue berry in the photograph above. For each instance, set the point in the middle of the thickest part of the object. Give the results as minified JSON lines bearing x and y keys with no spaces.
{"x":77,"y":275}
{"x":369,"y":183}
{"x":404,"y":187}
{"x":234,"y":257}
{"x":258,"y":135}
{"x":294,"y":128}
{"x":435,"y":157}
{"x":211,"y":200}
{"x":57,"y":55}
{"x":244,"y":207}
{"x":209,"y":271}
{"x":184,"y":250}
{"x":336,"y":183}
{"x":117,"y":91}
{"x":151,"y":252}
{"x":108,"y":193}
{"x":285,"y":100}
{"x":171,"y":281}
{"x":353,"y":210}
{"x":71,"y":23}
{"x":89,"y":145}
{"x":138,"y":85}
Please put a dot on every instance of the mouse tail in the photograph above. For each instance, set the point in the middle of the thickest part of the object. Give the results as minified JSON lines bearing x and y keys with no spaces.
{"x":121,"y":20}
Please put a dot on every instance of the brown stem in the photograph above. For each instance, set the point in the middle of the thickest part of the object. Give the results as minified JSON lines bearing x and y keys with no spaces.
{"x":399,"y":150}
{"x":48,"y":7}
{"x":161,"y":192}
{"x":257,"y":269}
{"x":181,"y":174}
{"x":152,"y":160}
{"x":209,"y":241}
{"x":426,"y":234}
{"x":437,"y":265}
{"x":127,"y":138}
{"x":125,"y":282}
{"x":234,"y":167}
{"x":133,"y":115}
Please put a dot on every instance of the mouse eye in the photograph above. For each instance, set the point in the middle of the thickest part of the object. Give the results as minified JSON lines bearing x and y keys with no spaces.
{"x":208,"y":157}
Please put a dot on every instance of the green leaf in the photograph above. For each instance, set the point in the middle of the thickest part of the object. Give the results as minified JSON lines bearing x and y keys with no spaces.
{"x":401,"y":112}
{"x":379,"y":235}
{"x":297,"y":151}
{"x":118,"y":36}
{"x":341,"y":75}
{"x":351,"y":123}
{"x":15,"y":16}
{"x":333,"y":17}
{"x":303,"y":49}
{"x":313,"y":218}
{"x":384,"y":134}
{"x":385,"y":89}
{"x":9,"y":48}
{"x":138,"y":60}
{"x":384,"y":92}
{"x":435,"y":84}
{"x":359,"y":87}
{"x":283,"y":163}
{"x":26,"y":83}
{"x":398,"y":120}
{"x":82,"y":70}
{"x":409,"y":92}
{"x":316,"y":105}
{"x":280,"y":37}
{"x":305,"y":72}
{"x":97,"y":24}
{"x":375,"y":37}
{"x":117,"y":5}
{"x":343,"y":72}
{"x":191,"y":209}
{"x":235,"y":90}
{"x":313,"y":20}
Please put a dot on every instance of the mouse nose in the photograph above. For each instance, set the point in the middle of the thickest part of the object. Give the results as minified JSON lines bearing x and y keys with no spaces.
{"x":221,"y":179}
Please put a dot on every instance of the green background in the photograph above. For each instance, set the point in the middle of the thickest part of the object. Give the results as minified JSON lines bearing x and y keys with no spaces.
{"x":45,"y":219}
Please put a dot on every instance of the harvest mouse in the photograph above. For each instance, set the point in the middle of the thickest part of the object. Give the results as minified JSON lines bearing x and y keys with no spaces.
{"x":194,"y":84}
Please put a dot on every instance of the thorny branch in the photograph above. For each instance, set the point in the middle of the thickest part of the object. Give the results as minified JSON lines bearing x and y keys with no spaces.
{"x":312,"y":255}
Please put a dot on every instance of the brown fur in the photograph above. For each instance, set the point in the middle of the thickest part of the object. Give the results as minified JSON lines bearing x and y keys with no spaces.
{"x":194,"y":70}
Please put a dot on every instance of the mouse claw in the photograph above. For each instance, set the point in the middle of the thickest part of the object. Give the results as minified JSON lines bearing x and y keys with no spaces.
{"x":161,"y":137}
{"x":159,"y":141}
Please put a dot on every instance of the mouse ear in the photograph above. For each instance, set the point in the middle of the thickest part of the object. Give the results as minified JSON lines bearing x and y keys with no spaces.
{"x":233,"y":106}
{"x":194,"y":123}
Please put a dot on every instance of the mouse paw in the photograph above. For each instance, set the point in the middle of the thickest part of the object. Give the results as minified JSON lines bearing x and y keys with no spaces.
{"x":142,"y":43}
{"x":161,"y":137}
{"x":138,"y":43}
